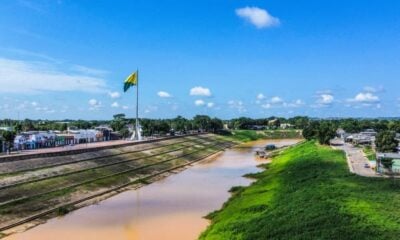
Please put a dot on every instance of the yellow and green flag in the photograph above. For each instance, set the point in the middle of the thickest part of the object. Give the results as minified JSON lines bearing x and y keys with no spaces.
{"x":131,"y":80}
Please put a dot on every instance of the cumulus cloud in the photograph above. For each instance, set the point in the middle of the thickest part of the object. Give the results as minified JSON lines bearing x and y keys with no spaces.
{"x":266,"y":105}
{"x":210,"y":104}
{"x":164,"y":94}
{"x":114,"y":94}
{"x":200,"y":91}
{"x":17,"y":76}
{"x":260,"y":96}
{"x":325,"y":99}
{"x":258,"y":17}
{"x":237,"y":105}
{"x":94,"y":104}
{"x":365,"y":97}
{"x":34,"y":104}
{"x":296,"y":103}
{"x":276,"y":100}
{"x":125,"y":107}
{"x":115,"y":105}
{"x":199,"y":102}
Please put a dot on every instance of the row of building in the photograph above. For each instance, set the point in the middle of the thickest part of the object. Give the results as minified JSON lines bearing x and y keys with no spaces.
{"x":43,"y":139}
{"x":385,"y":162}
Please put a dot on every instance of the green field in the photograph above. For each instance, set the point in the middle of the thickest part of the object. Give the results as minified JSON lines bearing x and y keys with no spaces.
{"x":307,"y":192}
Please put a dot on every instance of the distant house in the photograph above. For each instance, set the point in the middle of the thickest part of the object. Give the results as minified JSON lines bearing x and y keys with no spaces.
{"x":388,"y":159}
{"x":257,"y":127}
{"x":35,"y":139}
{"x":340,"y":133}
{"x":366,"y":137}
{"x":286,"y":125}
{"x":6,"y":129}
{"x":369,"y":132}
{"x":396,"y":166}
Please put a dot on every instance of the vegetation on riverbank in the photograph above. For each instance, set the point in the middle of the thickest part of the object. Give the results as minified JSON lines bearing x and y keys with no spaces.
{"x":307,"y":192}
{"x":252,"y":135}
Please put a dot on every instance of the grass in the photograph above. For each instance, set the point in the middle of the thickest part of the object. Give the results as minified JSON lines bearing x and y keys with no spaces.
{"x":278,"y":134}
{"x":252,"y":135}
{"x":370,"y":153}
{"x":308,"y":193}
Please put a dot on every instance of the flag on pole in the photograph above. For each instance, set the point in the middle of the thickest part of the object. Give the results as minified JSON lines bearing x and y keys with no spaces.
{"x":131,"y":80}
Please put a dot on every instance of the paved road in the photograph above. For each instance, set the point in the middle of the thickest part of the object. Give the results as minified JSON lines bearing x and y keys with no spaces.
{"x":357,"y":160}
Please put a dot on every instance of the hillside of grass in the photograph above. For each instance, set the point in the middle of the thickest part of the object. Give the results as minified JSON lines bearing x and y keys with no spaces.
{"x":252,"y":135}
{"x":307,"y":192}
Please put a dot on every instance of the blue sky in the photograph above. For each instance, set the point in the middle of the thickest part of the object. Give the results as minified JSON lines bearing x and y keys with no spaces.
{"x":225,"y":58}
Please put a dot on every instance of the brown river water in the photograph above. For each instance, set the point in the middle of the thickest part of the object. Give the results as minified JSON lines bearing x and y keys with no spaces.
{"x":172,"y":208}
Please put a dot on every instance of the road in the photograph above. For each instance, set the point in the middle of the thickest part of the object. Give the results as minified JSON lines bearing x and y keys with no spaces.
{"x":356,"y":160}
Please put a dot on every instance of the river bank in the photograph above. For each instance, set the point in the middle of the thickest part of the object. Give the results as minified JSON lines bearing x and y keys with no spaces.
{"x":175,"y":205}
{"x":51,"y":187}
{"x":307,"y":192}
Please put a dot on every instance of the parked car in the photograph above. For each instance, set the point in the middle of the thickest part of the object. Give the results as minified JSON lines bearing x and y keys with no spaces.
{"x":366,"y":165}
{"x":270,"y":147}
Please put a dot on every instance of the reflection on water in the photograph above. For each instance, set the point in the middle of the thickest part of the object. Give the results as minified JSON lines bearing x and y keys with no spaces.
{"x":169,"y":209}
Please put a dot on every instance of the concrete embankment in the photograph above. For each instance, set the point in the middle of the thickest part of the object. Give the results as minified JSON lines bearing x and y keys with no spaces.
{"x":41,"y":187}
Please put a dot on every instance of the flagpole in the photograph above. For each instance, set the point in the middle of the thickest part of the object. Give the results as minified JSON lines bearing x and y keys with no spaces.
{"x":137,"y":106}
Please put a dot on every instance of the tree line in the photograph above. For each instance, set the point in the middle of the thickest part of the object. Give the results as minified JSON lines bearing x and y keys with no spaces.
{"x":320,"y":129}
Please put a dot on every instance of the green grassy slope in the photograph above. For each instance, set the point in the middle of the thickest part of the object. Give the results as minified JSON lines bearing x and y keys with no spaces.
{"x":308,"y":193}
{"x":251,"y":135}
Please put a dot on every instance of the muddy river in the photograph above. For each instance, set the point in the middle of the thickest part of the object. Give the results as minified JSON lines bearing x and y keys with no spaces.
{"x":172,"y":208}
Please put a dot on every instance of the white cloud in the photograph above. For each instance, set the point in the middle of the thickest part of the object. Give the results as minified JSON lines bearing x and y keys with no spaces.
{"x":365,"y":97}
{"x":374,"y":89}
{"x":115,"y":105}
{"x":34,"y":104}
{"x":163,"y":94}
{"x":325,"y":99}
{"x":199,"y":102}
{"x":125,"y":107}
{"x":210,"y":104}
{"x":238,"y":105}
{"x":258,"y":17}
{"x":296,"y":103}
{"x":43,"y":77}
{"x":299,"y":102}
{"x":114,"y":95}
{"x":94,"y":104}
{"x":266,"y":106}
{"x":260,"y":96}
{"x":276,"y":100}
{"x":200,"y":91}
{"x":88,"y":71}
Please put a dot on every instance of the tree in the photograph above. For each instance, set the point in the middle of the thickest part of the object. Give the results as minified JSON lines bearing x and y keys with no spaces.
{"x":8,"y":137}
{"x":311,"y":130}
{"x":216,"y":124}
{"x":386,"y":141}
{"x":63,"y":127}
{"x":119,"y":116}
{"x":202,"y":122}
{"x":326,"y":132}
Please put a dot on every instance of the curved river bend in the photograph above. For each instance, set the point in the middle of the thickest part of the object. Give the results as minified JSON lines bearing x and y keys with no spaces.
{"x":172,"y":208}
